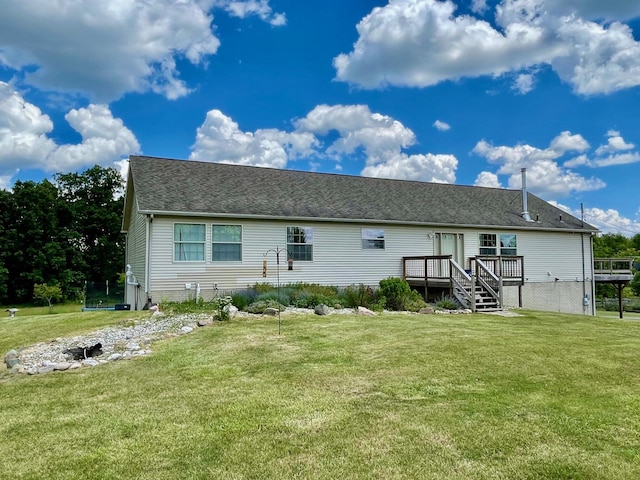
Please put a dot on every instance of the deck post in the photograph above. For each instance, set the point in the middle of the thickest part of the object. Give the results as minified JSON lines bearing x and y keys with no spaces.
{"x":620,"y":287}
{"x":426,"y":282}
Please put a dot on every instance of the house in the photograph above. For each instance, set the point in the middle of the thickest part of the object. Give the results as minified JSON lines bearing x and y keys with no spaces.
{"x":194,"y":229}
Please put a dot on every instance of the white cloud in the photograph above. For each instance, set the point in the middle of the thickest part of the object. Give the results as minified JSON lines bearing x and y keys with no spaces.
{"x":544,"y":176}
{"x":422,"y":42}
{"x":487,"y":179}
{"x":620,"y":159}
{"x":615,"y":143}
{"x":102,"y":50}
{"x":380,"y":137}
{"x":104,"y":139}
{"x":608,"y":221}
{"x":442,"y":126}
{"x":23,"y":133}
{"x":524,"y":83}
{"x":219,"y":139}
{"x":25,"y":144}
{"x":567,"y":142}
{"x":426,"y":168}
{"x":479,"y":6}
{"x":246,"y":8}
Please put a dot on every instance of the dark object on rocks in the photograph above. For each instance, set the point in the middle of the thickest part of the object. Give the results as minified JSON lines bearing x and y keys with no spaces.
{"x":321,"y":309}
{"x":81,"y":353}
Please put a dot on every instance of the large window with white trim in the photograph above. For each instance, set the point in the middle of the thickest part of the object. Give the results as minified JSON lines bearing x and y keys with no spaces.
{"x":300,"y":243}
{"x":498,"y":244}
{"x":188,"y":242}
{"x":372,"y":238}
{"x":226,"y":243}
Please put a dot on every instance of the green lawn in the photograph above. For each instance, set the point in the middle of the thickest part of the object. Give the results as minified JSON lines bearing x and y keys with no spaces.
{"x":339,"y":397}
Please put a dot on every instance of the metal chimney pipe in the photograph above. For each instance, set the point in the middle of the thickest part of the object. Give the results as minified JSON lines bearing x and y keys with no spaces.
{"x":525,"y":210}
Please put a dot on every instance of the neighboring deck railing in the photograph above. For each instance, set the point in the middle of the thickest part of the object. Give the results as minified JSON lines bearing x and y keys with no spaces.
{"x":613,"y":266}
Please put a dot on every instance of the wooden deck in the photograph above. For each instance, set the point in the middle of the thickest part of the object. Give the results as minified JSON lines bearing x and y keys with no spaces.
{"x":477,"y":288}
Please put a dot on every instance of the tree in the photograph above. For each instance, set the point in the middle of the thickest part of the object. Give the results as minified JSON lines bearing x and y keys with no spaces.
{"x":95,"y":201}
{"x":50,"y":293}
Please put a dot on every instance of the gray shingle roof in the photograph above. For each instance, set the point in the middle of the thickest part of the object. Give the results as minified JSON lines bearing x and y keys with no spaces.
{"x":165,"y":186}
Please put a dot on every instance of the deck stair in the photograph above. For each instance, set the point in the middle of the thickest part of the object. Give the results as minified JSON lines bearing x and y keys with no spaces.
{"x":479,"y":288}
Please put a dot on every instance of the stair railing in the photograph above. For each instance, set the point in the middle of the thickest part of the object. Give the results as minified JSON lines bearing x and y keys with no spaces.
{"x":463,"y":286}
{"x":489,"y":280}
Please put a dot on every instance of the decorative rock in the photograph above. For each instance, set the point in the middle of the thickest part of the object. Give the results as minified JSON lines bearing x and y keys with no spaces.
{"x":90,"y":362}
{"x":18,"y":368}
{"x":45,"y":369}
{"x":233,"y":310}
{"x":321,"y":309}
{"x":270,"y":311}
{"x":62,"y":366}
{"x":75,"y":365}
{"x":186,"y":329}
{"x":203,"y":322}
{"x":11,"y":358}
{"x":365,"y":311}
{"x":12,"y":362}
{"x":426,"y":310}
{"x":114,"y":356}
{"x":132,"y":346}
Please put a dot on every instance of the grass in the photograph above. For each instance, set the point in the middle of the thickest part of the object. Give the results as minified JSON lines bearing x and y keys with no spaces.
{"x":387,"y":397}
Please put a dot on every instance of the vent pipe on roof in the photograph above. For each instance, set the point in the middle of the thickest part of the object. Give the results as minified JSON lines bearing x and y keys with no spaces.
{"x":525,"y":211}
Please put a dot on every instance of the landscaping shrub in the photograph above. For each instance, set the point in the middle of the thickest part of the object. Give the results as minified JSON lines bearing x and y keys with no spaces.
{"x":395,"y":291}
{"x":361,"y":295}
{"x":259,"y":306}
{"x":447,"y":303}
{"x":242,"y":299}
{"x":414,"y":302}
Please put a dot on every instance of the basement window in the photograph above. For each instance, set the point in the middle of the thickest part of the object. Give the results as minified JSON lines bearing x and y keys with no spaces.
{"x":300,"y":244}
{"x":188,"y":242}
{"x":372,"y":238}
{"x":226,"y":243}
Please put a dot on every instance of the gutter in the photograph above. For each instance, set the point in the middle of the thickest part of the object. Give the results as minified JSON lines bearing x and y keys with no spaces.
{"x":365,"y":221}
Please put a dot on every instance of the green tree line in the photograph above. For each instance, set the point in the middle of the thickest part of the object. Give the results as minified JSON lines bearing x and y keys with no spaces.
{"x":615,"y":245}
{"x":63,"y":232}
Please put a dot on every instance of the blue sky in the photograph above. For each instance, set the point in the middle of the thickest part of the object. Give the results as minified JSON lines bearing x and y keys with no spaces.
{"x":465,"y":92}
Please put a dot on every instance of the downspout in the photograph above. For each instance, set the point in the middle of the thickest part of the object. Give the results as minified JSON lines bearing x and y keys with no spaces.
{"x":147,"y":262}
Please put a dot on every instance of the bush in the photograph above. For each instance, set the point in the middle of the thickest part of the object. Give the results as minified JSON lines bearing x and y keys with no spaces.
{"x":395,"y":291}
{"x":242,"y":299}
{"x":355,"y":296}
{"x":260,"y":306}
{"x":414,"y":302}
{"x":447,"y":303}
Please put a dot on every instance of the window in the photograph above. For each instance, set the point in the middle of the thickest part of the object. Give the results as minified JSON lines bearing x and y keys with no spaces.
{"x":300,"y":243}
{"x":188,"y":242}
{"x":489,"y":246}
{"x":226,"y":243}
{"x":508,"y":244}
{"x":372,"y":238}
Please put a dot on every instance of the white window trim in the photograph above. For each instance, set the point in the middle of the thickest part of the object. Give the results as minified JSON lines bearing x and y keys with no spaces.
{"x":305,"y":244}
{"x":204,"y":243}
{"x":212,"y":242}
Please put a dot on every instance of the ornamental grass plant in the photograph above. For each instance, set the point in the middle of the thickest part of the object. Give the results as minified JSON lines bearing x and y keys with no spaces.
{"x":394,"y":396}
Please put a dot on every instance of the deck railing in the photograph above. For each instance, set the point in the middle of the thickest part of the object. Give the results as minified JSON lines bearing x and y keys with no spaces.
{"x":486,"y":277}
{"x":463,"y":286}
{"x":613,"y":266}
{"x":509,"y":268}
